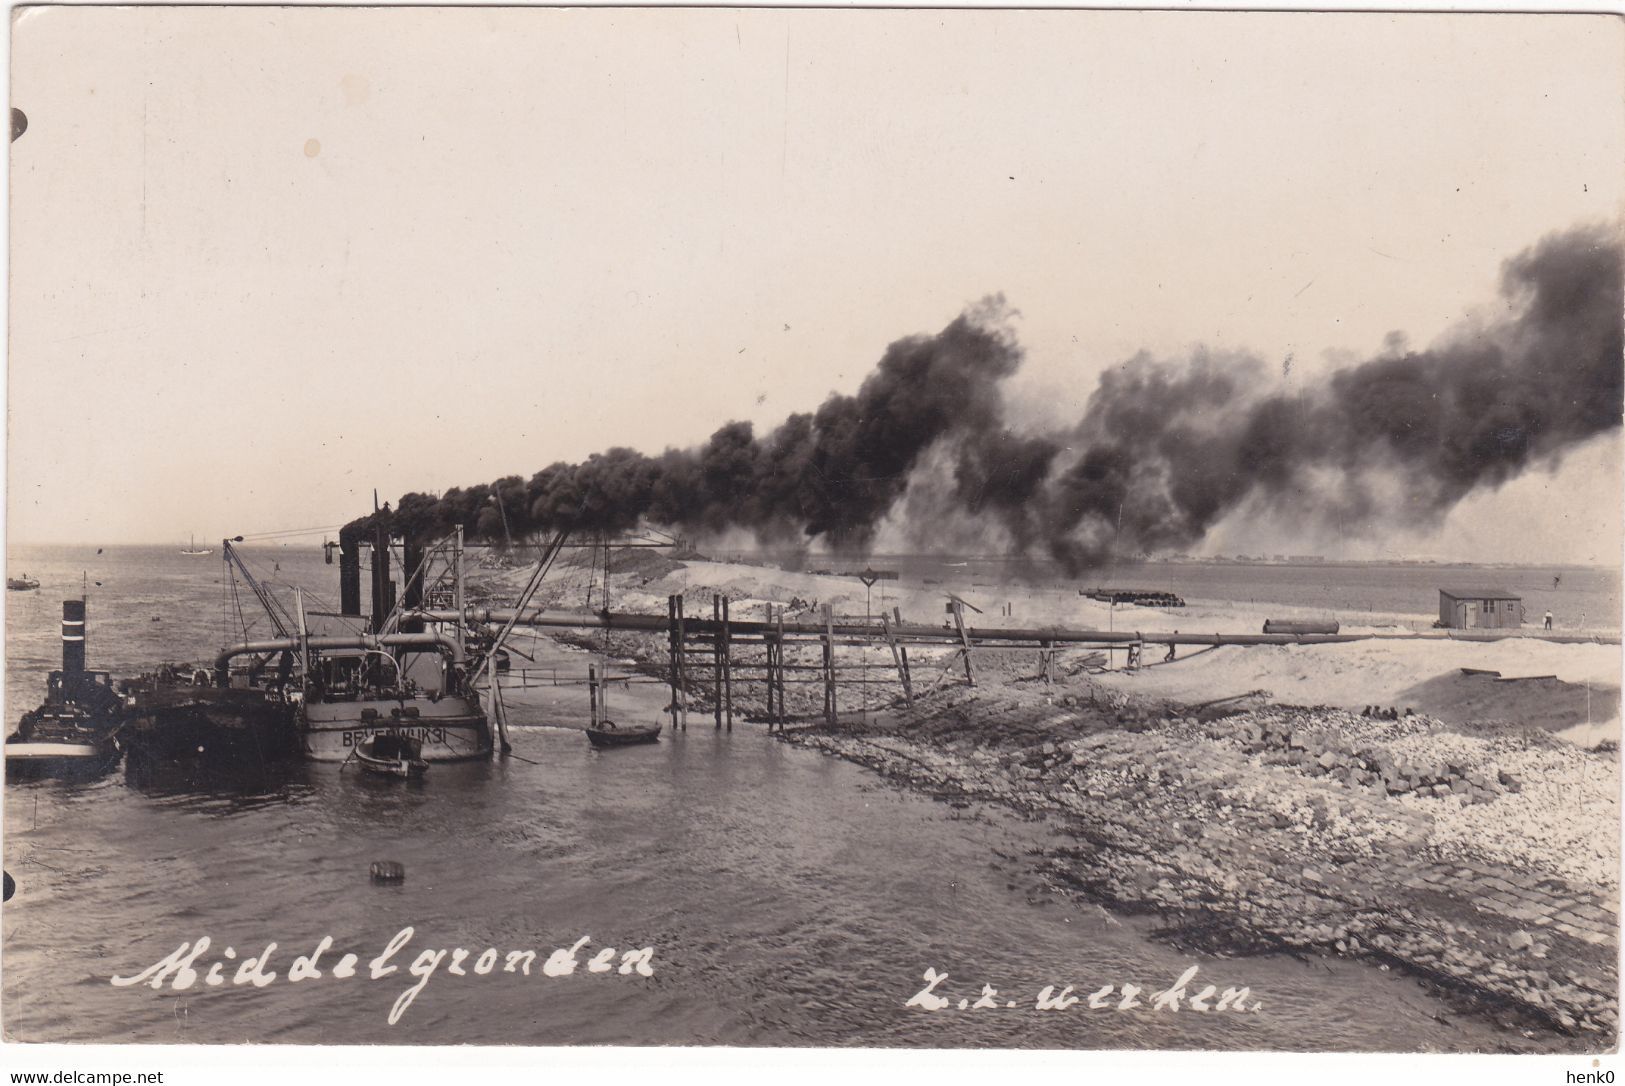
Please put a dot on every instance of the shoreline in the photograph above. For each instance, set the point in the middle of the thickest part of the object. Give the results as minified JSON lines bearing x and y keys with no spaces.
{"x":1231,"y":861}
{"x":1444,"y":848}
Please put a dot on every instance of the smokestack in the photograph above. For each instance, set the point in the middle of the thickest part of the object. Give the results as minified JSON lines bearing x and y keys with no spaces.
{"x":73,"y":643}
{"x":349,"y":576}
{"x":411,"y":561}
{"x":382,"y":588}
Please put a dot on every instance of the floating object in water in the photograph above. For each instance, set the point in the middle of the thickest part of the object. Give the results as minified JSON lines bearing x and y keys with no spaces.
{"x":24,"y":583}
{"x":388,"y":871}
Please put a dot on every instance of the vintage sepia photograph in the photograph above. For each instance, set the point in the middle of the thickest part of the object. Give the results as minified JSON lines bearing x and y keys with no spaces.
{"x":814,"y":528}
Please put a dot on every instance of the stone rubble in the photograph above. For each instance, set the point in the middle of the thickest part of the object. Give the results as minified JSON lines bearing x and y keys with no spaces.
{"x":1315,"y":829}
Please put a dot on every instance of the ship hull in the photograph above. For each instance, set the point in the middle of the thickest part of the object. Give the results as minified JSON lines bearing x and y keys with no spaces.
{"x":176,"y":722}
{"x":30,"y":759}
{"x":451,"y":729}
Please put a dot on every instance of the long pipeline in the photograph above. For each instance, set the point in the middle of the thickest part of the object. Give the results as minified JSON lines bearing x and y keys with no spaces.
{"x":1060,"y":635}
{"x":222,"y":662}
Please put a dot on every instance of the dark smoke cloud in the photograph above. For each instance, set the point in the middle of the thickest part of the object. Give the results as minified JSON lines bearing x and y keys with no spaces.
{"x":1165,"y":449}
{"x":831,"y":475}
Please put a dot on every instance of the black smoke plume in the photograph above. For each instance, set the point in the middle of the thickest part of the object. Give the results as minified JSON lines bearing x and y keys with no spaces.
{"x":1165,"y":449}
{"x":831,"y":475}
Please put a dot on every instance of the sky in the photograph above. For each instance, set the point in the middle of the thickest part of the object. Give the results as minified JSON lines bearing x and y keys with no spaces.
{"x":265,"y":260}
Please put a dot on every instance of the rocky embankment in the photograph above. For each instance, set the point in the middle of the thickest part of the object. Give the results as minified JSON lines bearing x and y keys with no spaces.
{"x":1483,"y":859}
{"x":1486,"y":866}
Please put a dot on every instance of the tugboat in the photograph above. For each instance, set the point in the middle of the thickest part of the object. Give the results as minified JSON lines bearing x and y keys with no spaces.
{"x":25,"y":583}
{"x":74,"y":733}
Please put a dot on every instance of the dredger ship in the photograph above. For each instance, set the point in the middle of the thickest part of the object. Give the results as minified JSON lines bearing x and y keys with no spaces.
{"x":351,"y":676}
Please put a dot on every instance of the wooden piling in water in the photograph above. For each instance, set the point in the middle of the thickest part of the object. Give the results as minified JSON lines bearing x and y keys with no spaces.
{"x":902,"y":649}
{"x":778,"y":639}
{"x":727,"y":669}
{"x":767,"y":644}
{"x":964,"y":641}
{"x":671,"y":637}
{"x":829,"y":664}
{"x":716,"y":659}
{"x":897,"y":658}
{"x":682,"y":667}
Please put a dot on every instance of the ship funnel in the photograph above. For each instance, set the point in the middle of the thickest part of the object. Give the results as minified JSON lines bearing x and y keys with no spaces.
{"x":412,"y":571}
{"x":383,"y":589}
{"x":73,"y":639}
{"x":349,"y":576}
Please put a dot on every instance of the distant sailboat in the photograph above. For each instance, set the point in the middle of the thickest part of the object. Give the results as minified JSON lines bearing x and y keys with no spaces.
{"x":192,"y":548}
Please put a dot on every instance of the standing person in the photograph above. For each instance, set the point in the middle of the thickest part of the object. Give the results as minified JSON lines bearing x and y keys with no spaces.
{"x":1548,"y":618}
{"x":1173,"y":651}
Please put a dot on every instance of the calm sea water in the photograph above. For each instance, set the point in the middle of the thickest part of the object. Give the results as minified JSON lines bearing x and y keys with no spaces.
{"x":788,"y":898}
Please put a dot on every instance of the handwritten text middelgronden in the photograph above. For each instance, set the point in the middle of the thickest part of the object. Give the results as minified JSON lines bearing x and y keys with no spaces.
{"x":183,"y":966}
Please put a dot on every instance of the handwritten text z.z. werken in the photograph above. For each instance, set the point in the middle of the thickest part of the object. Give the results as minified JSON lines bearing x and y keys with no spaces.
{"x":1207,"y":998}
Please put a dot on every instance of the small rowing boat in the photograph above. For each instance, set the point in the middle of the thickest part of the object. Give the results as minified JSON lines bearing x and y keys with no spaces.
{"x":604,"y":732}
{"x":388,"y":755}
{"x":609,"y":734}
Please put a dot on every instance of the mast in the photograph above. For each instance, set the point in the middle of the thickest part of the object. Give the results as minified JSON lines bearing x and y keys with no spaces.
{"x":304,"y":631}
{"x":457,"y":592}
{"x":272,"y":609}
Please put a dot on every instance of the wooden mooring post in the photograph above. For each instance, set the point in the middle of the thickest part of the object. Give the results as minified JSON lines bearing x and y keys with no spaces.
{"x":727,"y":669}
{"x":770,"y":679}
{"x":964,"y":640}
{"x":716,"y":658}
{"x":898,"y":658}
{"x":682,"y":666}
{"x":902,"y":650}
{"x":778,"y":639}
{"x":829,"y":664}
{"x":673,"y":648}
